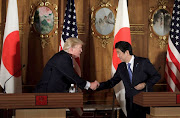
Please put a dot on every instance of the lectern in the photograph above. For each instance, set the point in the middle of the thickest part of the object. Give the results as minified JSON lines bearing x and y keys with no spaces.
{"x":162,"y":104}
{"x":43,"y":101}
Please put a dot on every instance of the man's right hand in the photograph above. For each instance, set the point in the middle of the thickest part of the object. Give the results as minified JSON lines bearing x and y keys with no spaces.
{"x":94,"y":85}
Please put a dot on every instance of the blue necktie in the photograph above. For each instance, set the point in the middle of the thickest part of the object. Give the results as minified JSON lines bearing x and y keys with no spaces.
{"x":130,"y":72}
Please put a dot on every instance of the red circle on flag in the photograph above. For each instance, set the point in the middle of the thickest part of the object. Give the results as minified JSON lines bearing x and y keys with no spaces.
{"x":11,"y":54}
{"x":122,"y":35}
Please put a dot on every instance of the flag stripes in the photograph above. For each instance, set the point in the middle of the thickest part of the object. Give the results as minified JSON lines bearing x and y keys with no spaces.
{"x":172,"y":68}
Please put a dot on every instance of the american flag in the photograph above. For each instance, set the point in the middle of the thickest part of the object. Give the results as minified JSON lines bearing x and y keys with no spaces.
{"x":172,"y":70}
{"x":70,"y":29}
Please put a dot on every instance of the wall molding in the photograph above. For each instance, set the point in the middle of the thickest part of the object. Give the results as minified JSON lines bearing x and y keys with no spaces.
{"x":137,"y":29}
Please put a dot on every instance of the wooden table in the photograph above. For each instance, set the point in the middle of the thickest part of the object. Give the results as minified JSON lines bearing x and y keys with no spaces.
{"x":29,"y":103}
{"x":162,"y":104}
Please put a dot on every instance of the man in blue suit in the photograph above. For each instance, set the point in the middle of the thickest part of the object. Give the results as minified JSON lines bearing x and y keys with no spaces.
{"x":137,"y":74}
{"x":59,"y":74}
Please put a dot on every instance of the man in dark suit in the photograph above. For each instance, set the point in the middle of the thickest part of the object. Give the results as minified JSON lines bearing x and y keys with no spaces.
{"x":59,"y":74}
{"x":137,"y":74}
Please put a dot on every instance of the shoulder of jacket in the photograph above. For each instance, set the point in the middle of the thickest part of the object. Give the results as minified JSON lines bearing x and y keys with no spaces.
{"x":121,"y":64}
{"x":141,"y":58}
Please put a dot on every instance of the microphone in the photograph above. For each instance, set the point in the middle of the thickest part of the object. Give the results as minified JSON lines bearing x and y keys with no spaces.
{"x":11,"y":77}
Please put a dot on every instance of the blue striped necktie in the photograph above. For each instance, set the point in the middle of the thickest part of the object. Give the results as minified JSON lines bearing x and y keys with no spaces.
{"x":130,"y":72}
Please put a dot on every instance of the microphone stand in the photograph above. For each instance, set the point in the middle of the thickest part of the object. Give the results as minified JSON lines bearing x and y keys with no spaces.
{"x":11,"y":77}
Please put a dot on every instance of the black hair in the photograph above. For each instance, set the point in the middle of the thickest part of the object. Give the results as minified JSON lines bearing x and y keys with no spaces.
{"x":123,"y":46}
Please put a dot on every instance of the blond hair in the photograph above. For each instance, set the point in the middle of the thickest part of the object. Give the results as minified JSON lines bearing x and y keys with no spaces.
{"x":71,"y":43}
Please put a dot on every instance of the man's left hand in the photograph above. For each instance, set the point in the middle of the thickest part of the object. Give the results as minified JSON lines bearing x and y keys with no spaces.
{"x":140,"y":86}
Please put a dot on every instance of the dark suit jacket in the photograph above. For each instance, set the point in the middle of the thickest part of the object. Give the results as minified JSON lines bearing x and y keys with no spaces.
{"x":143,"y":71}
{"x":59,"y":74}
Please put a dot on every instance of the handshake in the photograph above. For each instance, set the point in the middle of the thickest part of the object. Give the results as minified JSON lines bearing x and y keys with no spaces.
{"x":94,"y":85}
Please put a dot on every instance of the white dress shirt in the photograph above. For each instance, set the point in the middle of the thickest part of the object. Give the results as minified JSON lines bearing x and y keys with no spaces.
{"x":131,"y":62}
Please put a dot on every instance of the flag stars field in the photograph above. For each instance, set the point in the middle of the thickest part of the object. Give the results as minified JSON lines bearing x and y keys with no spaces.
{"x":70,"y":29}
{"x":177,"y":43}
